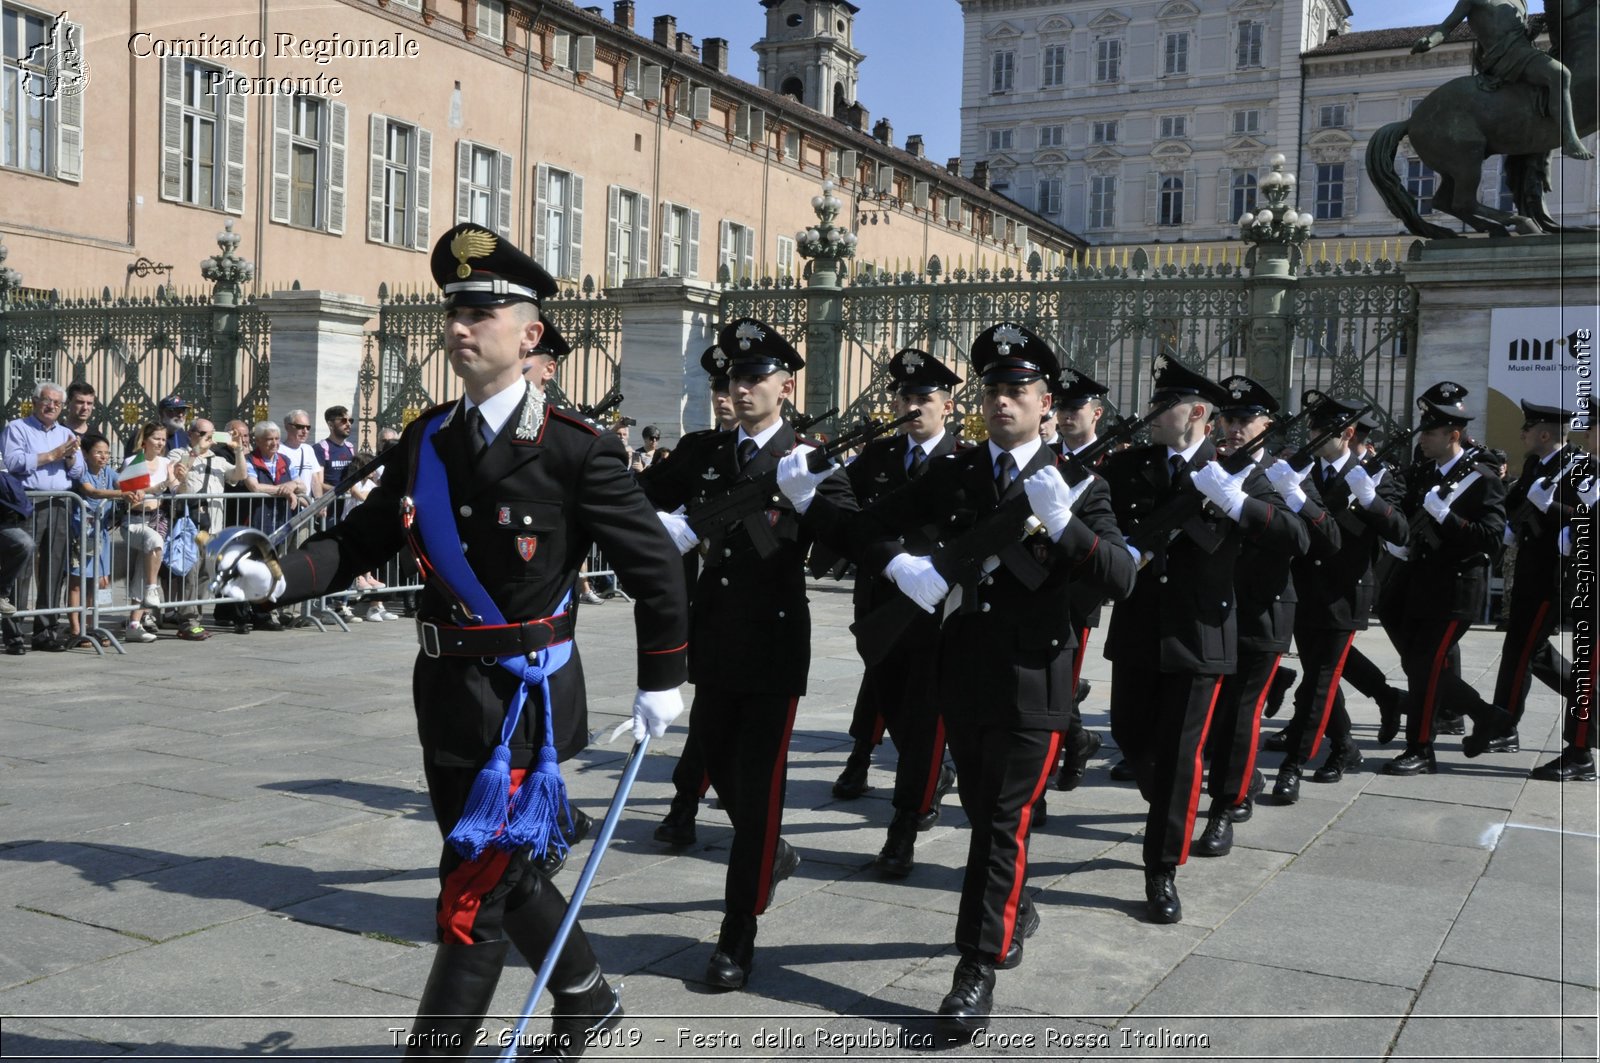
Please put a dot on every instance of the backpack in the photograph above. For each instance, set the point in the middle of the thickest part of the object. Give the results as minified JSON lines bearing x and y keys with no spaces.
{"x":181,"y":551}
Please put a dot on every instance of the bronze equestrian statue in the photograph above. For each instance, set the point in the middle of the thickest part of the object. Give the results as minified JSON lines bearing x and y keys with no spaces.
{"x":1520,"y":102}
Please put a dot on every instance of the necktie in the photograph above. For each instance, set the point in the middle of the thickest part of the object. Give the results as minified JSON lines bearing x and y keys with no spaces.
{"x":747,"y":451}
{"x":1005,"y":470}
{"x":1174,"y":467}
{"x":915,"y":469}
{"x":475,"y":432}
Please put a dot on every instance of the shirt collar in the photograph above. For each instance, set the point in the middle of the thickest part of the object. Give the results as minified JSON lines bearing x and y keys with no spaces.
{"x":498,"y":408}
{"x":927,"y":448}
{"x":1021,"y":454}
{"x":762,"y":437}
{"x":1444,"y":469}
{"x":1186,"y":455}
{"x":1093,"y":439}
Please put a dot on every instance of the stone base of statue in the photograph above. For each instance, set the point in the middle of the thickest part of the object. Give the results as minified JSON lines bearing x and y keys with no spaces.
{"x":1461,"y":283}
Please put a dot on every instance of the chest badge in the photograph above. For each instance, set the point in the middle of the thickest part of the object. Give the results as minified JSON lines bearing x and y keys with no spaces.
{"x":526,"y":545}
{"x":882,"y":478}
{"x":503,"y":517}
{"x":711,"y":474}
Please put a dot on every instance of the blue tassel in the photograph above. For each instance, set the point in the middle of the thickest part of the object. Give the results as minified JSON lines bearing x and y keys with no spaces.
{"x":485,"y":813}
{"x":538,"y":807}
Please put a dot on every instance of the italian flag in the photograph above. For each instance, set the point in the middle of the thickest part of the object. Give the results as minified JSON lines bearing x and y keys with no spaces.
{"x":134,"y":474}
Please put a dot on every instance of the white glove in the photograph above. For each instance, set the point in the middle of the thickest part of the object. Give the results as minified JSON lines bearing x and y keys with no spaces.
{"x":1225,"y":492}
{"x":918,"y":580}
{"x":1435,"y":504}
{"x":1363,"y":485}
{"x":1052,"y":500}
{"x":252,"y":582}
{"x":797,"y":482}
{"x":1541,"y":495}
{"x":1589,"y":491}
{"x":1509,"y":536}
{"x":653,"y":710}
{"x":677,"y":525}
{"x":1564,"y":541}
{"x":1402,"y":552}
{"x":1283,"y":476}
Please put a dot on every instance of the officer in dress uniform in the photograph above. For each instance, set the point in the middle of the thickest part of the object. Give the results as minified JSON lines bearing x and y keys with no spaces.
{"x":1176,"y":636}
{"x":1336,"y":593}
{"x":1576,"y":762}
{"x":689,"y":778}
{"x":1265,"y":607}
{"x":515,"y":491}
{"x":1079,"y":405}
{"x":1005,"y":652}
{"x":750,"y":631}
{"x":897,"y":692}
{"x":1541,"y":503}
{"x":1455,"y":508}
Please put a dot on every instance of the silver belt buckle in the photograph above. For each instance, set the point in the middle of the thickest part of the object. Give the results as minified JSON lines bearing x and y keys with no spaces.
{"x":428,"y":636}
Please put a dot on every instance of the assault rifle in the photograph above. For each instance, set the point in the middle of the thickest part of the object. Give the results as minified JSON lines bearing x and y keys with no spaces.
{"x":745,"y":502}
{"x":1183,"y":511}
{"x":998,"y":534}
{"x":1460,"y":477}
{"x":802,"y":422}
{"x":1527,"y":515}
{"x":610,"y":401}
{"x":1380,"y":459}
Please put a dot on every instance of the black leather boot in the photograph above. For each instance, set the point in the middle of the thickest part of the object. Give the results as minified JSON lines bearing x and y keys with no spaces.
{"x":1217,"y":838}
{"x":460,"y":986}
{"x":1573,"y":765}
{"x":735,"y":953}
{"x":677,"y":826}
{"x":1391,"y":706}
{"x":852,"y":781}
{"x":553,"y":861}
{"x":1282,"y":680}
{"x":1286,"y":790}
{"x":1494,"y":726}
{"x":946,"y":783}
{"x":1416,"y":760}
{"x":1342,"y":757}
{"x":1077,"y":762}
{"x":964,"y":1012}
{"x":1161,"y":902}
{"x":1027,"y":926}
{"x":578,"y":1012}
{"x":533,"y":915}
{"x":897,"y":857}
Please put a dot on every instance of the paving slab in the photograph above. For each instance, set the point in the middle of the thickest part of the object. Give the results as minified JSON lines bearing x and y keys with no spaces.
{"x":1467,"y":1012}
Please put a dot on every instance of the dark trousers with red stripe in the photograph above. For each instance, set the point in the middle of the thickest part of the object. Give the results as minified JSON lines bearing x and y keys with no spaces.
{"x":1003,"y":772}
{"x":745,"y":741}
{"x":1235,"y":732}
{"x":897,"y":695}
{"x":1074,"y":732}
{"x":689,"y":778}
{"x":1318,"y":702}
{"x":1528,"y":654}
{"x":1159,"y":721}
{"x":1431,"y":658}
{"x":1360,"y":672}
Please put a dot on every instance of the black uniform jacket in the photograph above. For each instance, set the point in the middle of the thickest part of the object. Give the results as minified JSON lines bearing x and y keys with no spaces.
{"x":1005,"y":657}
{"x":1451,"y":581}
{"x":1540,"y":566}
{"x":877,"y":471}
{"x":1337,"y":592}
{"x":547,"y":497}
{"x":751,"y":625}
{"x":1183,"y":613}
{"x":1087,"y":601}
{"x":1267,"y":598}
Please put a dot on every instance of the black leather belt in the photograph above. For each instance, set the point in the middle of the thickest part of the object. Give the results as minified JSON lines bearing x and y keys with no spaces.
{"x":500,"y":640}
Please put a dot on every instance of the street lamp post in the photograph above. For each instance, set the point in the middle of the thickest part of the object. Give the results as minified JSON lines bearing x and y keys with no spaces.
{"x":1276,"y":233}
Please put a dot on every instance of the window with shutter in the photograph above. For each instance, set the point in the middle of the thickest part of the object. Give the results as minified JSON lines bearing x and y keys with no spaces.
{"x":423,"y":174}
{"x":338,"y":135}
{"x":29,"y":117}
{"x":233,"y":175}
{"x":69,"y":105}
{"x":483,"y":189}
{"x":304,"y":147}
{"x":492,"y":20}
{"x":202,"y":136}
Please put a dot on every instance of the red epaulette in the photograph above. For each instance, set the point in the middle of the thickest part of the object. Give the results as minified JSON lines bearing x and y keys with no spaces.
{"x":573,"y":417}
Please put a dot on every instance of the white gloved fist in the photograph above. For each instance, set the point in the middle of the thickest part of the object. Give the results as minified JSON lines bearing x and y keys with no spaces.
{"x":1283,"y":476}
{"x":918,"y":580}
{"x":1564,"y":541}
{"x":1402,"y":552}
{"x":252,"y":581}
{"x":1589,"y":491}
{"x":1435,"y":504}
{"x":796,"y":480}
{"x":1541,"y":493}
{"x":677,"y":525}
{"x":1509,"y":536}
{"x":653,"y":710}
{"x":1363,"y":485}
{"x":1225,"y":492}
{"x":1052,"y":500}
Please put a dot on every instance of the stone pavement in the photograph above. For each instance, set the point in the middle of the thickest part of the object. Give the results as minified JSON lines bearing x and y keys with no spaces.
{"x":224,"y":850}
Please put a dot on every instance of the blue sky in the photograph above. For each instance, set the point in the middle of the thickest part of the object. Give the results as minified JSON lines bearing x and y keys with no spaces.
{"x":913,"y":48}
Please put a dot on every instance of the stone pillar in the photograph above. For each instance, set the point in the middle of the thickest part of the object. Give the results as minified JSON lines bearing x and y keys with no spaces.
{"x":1268,"y":346}
{"x":667,"y":322}
{"x":824,"y":342}
{"x":316,"y":351}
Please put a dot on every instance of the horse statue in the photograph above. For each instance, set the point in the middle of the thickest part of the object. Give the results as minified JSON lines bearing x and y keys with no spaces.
{"x":1463,"y":122}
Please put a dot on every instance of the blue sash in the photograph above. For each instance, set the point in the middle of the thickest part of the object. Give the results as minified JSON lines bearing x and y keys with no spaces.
{"x":493,"y":816}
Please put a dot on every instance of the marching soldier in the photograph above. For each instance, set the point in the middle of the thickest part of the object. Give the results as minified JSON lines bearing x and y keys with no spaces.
{"x":1540,"y":505}
{"x":1175,"y":638}
{"x":1004,"y":666}
{"x":1266,"y":609}
{"x":1455,"y":508}
{"x":750,"y":628}
{"x":1576,"y":762}
{"x":689,"y":778}
{"x":500,"y":497}
{"x":897,"y":691}
{"x":1336,"y":594}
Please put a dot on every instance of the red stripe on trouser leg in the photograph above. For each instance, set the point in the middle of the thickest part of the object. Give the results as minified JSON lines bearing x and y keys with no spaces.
{"x":1440,"y":658}
{"x":461,"y":894}
{"x":1255,"y":735}
{"x":1077,"y":660}
{"x":705,"y":782}
{"x":1194,"y":787}
{"x":774,"y":819}
{"x":935,"y":768}
{"x":1333,"y":694}
{"x":1019,"y":870}
{"x":1517,"y":695}
{"x":878,"y":726}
